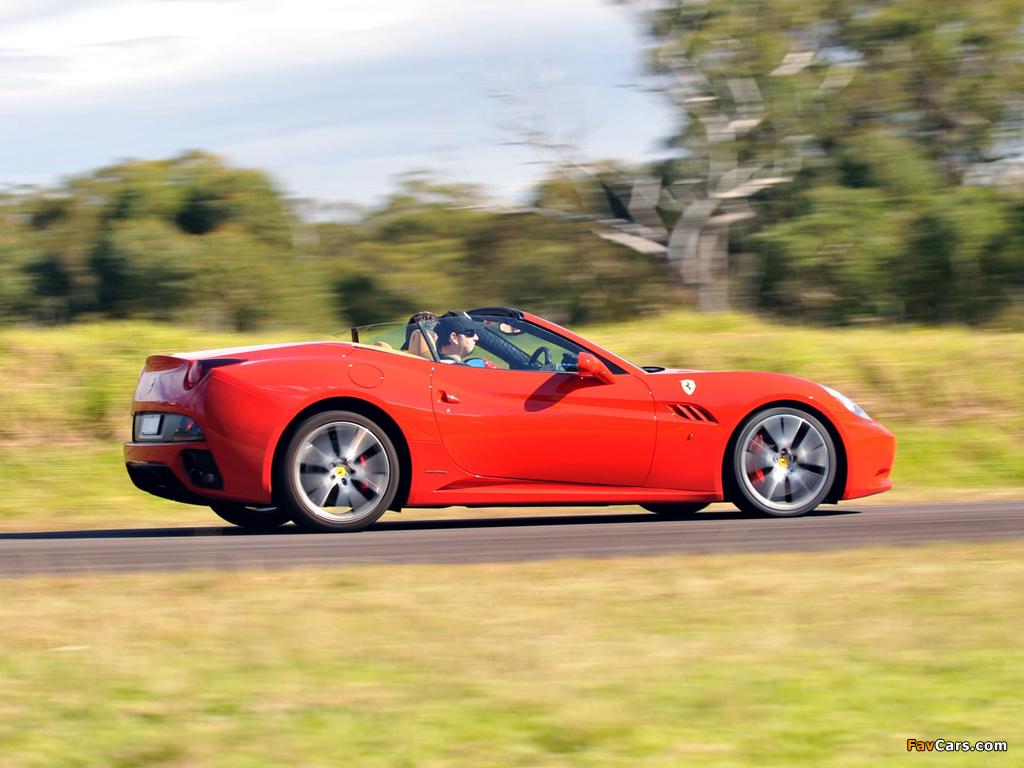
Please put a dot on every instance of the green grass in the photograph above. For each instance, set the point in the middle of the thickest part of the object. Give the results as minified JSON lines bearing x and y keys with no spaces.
{"x":728,"y":660}
{"x":952,"y":397}
{"x":747,"y":660}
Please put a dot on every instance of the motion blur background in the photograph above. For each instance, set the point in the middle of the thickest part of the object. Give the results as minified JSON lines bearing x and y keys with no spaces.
{"x":323,"y":164}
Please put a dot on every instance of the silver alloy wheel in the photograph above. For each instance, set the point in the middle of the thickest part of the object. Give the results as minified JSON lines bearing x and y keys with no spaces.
{"x":340,"y":472}
{"x":785,"y":462}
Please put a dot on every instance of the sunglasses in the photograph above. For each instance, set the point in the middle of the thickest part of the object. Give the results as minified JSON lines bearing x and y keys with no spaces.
{"x":467,"y":332}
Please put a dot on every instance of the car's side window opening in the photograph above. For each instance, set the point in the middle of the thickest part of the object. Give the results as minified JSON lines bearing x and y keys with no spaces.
{"x":502,"y":343}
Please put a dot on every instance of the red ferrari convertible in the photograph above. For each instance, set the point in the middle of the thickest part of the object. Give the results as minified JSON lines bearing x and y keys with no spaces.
{"x":494,"y":407}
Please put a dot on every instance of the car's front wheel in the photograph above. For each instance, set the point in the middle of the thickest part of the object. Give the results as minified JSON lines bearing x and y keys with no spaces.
{"x":783,"y":463}
{"x":340,"y":472}
{"x":251,"y":517}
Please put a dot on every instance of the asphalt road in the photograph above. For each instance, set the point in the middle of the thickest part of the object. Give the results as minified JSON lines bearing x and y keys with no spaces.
{"x":504,"y":539}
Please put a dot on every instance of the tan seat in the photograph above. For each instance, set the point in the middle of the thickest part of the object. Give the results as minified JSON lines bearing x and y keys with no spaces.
{"x":418,"y":345}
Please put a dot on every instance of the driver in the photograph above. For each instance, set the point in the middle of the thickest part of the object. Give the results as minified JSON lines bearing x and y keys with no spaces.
{"x":456,"y":336}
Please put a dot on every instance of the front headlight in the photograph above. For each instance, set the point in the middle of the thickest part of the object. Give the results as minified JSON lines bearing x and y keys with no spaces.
{"x":850,"y":405}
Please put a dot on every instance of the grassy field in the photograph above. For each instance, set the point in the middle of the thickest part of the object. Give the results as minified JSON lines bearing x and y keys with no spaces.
{"x":729,"y":660}
{"x":952,"y":397}
{"x":790,"y":660}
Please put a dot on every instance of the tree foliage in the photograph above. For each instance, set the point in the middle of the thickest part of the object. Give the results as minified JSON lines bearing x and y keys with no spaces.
{"x":837,"y":141}
{"x":191,"y":239}
{"x":433,"y":246}
{"x":185,"y":238}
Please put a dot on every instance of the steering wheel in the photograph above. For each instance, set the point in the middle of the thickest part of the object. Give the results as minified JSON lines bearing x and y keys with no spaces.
{"x":537,"y":353}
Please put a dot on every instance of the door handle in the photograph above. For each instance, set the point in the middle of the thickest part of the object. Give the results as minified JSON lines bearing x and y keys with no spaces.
{"x":444,"y":397}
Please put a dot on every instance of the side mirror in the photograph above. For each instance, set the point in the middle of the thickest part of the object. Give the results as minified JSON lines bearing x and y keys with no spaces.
{"x":591,"y":367}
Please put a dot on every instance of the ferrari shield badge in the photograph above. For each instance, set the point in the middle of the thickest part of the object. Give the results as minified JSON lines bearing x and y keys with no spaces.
{"x":689,"y":385}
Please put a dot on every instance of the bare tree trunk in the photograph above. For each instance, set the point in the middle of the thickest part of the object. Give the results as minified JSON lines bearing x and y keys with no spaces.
{"x":713,"y":257}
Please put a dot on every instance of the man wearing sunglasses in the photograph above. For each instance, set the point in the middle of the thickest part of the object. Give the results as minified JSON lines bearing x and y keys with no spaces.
{"x":456,"y":336}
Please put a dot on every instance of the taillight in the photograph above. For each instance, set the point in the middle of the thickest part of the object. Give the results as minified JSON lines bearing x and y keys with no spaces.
{"x":194,"y":373}
{"x":197,"y":369}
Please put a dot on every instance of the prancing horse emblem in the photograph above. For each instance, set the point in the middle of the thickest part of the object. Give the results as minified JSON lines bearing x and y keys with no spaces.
{"x":689,"y":385}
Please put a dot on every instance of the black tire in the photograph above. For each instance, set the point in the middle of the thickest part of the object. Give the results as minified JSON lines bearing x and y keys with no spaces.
{"x":682,"y":510}
{"x":251,"y":517}
{"x":783,"y":463}
{"x":340,"y":472}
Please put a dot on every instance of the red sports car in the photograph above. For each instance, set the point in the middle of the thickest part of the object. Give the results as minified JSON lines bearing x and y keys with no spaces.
{"x":494,"y":407}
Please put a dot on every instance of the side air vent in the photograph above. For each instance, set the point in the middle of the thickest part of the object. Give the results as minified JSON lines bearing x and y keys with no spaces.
{"x":692,"y":413}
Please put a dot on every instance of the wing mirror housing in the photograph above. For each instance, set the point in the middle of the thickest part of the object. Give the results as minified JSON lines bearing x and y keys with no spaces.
{"x":591,"y":367}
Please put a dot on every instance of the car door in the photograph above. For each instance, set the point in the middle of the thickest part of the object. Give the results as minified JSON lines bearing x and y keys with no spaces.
{"x":545,"y":425}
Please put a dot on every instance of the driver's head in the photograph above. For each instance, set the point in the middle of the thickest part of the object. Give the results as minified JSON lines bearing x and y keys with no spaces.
{"x":457,"y":334}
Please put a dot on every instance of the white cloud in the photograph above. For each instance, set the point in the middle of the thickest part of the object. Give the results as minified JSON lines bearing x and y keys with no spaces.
{"x":317,"y":92}
{"x":105,"y":46}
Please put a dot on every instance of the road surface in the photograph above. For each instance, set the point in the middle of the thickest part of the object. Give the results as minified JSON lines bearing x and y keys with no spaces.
{"x":504,"y":539}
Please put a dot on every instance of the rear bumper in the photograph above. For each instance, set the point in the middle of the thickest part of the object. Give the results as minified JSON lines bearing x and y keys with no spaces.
{"x":185,"y":472}
{"x":160,"y":480}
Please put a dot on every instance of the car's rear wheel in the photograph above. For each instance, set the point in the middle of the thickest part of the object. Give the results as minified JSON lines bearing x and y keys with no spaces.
{"x":675,"y":511}
{"x":784,"y":463}
{"x":340,"y":472}
{"x":251,"y":517}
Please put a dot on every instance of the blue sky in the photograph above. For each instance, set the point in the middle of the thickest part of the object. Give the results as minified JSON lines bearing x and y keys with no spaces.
{"x":332,"y":99}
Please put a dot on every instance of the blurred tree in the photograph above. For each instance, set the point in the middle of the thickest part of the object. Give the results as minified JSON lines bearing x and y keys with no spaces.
{"x":830,"y":264}
{"x":906,"y":97}
{"x":439,"y":247}
{"x":363,"y":300}
{"x":50,"y":285}
{"x":183,"y":238}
